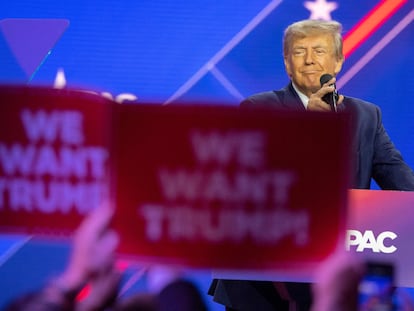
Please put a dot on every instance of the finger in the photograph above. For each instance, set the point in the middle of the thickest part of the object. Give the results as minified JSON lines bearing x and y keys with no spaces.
{"x":340,"y":100}
{"x":104,"y":251}
{"x":96,"y":222}
{"x":330,"y":82}
{"x":315,"y":103}
{"x":322,"y":106}
{"x":326,"y":89}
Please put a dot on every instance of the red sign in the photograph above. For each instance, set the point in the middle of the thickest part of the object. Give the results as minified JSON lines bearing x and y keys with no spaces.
{"x":53,"y":158}
{"x":203,"y":186}
{"x":224,"y":187}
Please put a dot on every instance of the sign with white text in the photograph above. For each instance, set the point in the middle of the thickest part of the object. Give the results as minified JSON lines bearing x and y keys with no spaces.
{"x":200,"y":186}
{"x":224,"y":187}
{"x":54,"y":158}
{"x":379,"y":229}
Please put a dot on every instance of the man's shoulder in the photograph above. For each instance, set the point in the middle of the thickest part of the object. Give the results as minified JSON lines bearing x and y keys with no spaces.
{"x":267,"y":98}
{"x":360,"y":104}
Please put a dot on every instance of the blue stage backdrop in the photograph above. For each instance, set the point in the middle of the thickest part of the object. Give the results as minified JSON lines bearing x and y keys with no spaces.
{"x":209,"y":51}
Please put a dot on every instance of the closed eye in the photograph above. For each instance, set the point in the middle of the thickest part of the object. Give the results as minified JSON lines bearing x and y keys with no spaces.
{"x":320,"y":51}
{"x":299,"y":52}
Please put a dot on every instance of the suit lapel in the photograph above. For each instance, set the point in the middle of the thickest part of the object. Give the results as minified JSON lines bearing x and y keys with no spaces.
{"x":291,"y":99}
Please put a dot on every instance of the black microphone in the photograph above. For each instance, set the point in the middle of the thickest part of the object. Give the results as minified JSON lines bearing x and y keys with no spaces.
{"x":330,"y":98}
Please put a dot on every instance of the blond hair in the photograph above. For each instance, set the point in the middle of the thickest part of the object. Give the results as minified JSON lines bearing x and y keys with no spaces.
{"x":309,"y":27}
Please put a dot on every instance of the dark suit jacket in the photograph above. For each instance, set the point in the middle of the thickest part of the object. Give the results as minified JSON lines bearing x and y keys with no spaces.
{"x":375,"y":156}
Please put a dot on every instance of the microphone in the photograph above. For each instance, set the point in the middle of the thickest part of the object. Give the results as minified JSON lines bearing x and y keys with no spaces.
{"x":330,"y":98}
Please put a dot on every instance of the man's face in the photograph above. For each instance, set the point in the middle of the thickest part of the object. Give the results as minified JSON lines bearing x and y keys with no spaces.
{"x":309,"y":58}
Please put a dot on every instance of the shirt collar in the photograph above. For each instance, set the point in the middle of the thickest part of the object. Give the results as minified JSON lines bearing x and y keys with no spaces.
{"x":302,"y":96}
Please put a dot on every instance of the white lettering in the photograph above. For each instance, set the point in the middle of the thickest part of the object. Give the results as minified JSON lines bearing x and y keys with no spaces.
{"x":382,"y":237}
{"x":46,"y":160}
{"x":49,"y":197}
{"x":245,"y":148}
{"x":367,"y":240}
{"x":353,"y":238}
{"x":182,"y":222}
{"x":49,"y":126}
{"x":16,"y":159}
{"x":154,"y":217}
{"x":269,"y":186}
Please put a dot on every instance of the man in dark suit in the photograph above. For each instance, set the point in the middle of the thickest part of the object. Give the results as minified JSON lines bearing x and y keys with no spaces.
{"x":311,"y":49}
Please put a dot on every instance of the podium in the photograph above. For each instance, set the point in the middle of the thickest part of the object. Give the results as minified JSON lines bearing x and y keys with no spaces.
{"x":380,"y":229}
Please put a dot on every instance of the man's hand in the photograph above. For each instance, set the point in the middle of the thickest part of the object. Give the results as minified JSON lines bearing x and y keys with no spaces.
{"x":336,"y":283}
{"x":316,"y":103}
{"x":93,"y":249}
